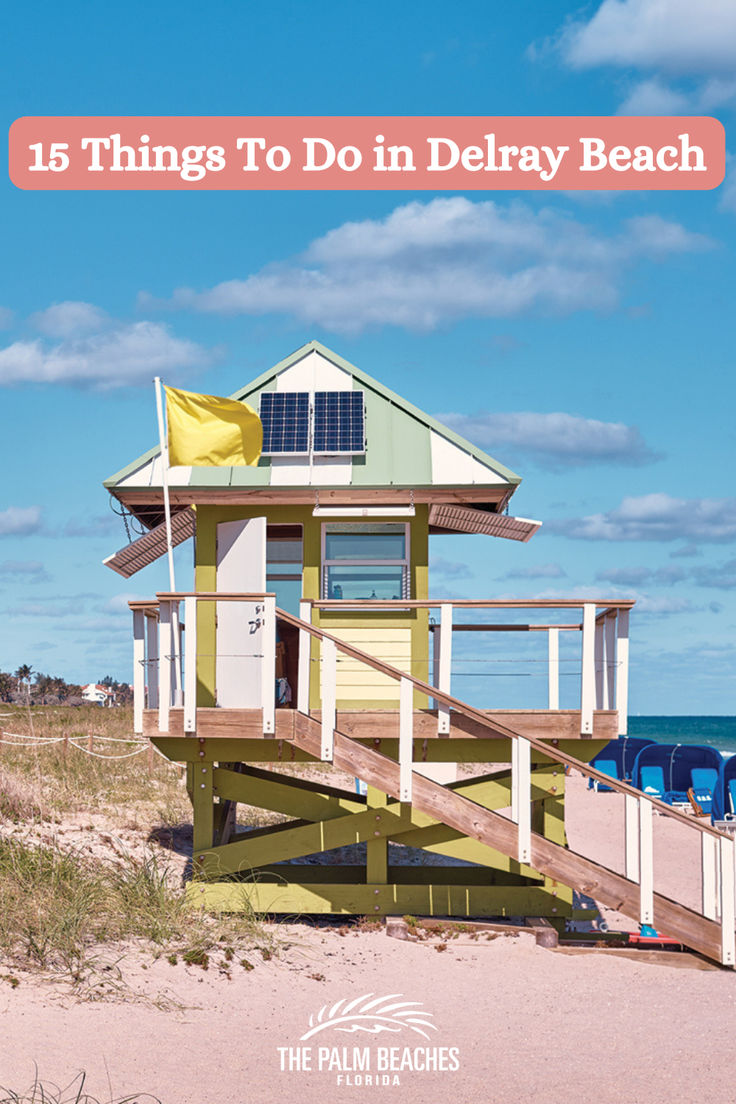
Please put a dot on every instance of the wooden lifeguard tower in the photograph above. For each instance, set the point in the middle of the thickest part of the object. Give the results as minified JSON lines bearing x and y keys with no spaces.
{"x":311,"y":636}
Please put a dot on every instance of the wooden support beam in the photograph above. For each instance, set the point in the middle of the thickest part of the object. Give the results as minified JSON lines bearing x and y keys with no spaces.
{"x":279,"y":793}
{"x":203,"y":815}
{"x":372,"y":899}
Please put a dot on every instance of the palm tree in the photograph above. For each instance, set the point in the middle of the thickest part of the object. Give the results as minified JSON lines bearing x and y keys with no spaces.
{"x":23,"y":675}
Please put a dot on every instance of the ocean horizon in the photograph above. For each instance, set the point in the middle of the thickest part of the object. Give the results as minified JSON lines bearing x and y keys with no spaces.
{"x":717,"y":731}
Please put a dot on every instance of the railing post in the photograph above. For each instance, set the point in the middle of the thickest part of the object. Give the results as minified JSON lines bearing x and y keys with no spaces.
{"x":708,"y":855}
{"x":268,"y":666}
{"x":600,"y":662}
{"x":305,"y":655}
{"x":521,"y":797}
{"x":165,"y":664}
{"x":646,"y":862}
{"x":632,"y":838}
{"x":609,"y":651}
{"x":406,"y":737}
{"x":726,"y":863}
{"x":190,"y":664}
{"x":328,"y":694}
{"x":587,"y":687}
{"x":152,"y":661}
{"x":176,"y":657}
{"x":445,"y":666}
{"x":139,"y":669}
{"x":622,"y":673}
{"x":553,"y":668}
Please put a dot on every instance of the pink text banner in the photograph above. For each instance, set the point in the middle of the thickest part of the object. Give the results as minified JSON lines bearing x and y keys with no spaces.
{"x":483,"y":153}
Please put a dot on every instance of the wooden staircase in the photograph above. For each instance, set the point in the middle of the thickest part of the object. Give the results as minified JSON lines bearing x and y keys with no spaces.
{"x":497,"y":831}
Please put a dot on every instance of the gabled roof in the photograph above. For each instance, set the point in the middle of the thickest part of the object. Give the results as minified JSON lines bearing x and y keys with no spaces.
{"x":406,"y":447}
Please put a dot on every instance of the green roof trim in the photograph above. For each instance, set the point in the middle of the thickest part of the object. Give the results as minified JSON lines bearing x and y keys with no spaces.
{"x":262,"y":382}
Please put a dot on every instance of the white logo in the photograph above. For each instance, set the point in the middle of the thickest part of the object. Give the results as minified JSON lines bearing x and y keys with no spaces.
{"x":362,"y":1066}
{"x":373,"y":1016}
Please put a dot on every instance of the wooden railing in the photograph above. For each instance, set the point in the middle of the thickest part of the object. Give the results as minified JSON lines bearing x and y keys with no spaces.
{"x":604,"y":628}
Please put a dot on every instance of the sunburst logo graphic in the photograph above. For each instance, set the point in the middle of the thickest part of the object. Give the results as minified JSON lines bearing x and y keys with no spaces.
{"x":373,"y":1015}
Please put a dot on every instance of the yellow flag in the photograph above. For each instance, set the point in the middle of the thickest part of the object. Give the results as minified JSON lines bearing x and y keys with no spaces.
{"x":207,"y":430}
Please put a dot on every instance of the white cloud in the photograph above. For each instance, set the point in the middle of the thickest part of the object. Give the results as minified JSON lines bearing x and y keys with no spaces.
{"x":723,"y":576}
{"x":645,"y":603}
{"x":560,"y":439}
{"x":688,"y":49}
{"x":652,"y":97}
{"x":637,"y":576}
{"x":20,"y":521}
{"x":656,"y":517}
{"x":431,"y":263}
{"x":70,"y":319}
{"x":676,"y":36}
{"x":126,"y":354}
{"x":543,"y":571}
{"x":449,"y":569}
{"x":31,"y":571}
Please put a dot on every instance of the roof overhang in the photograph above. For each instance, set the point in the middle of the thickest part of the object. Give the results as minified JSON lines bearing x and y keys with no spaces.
{"x":152,"y":545}
{"x":463,"y":519}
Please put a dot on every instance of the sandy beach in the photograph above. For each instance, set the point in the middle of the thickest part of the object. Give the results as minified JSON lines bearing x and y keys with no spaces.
{"x":519,"y":1022}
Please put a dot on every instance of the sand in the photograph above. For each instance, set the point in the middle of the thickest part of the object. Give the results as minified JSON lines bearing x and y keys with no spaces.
{"x":527,"y":1023}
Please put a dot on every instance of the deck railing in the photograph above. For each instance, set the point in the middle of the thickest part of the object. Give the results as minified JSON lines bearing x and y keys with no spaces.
{"x":604,"y":646}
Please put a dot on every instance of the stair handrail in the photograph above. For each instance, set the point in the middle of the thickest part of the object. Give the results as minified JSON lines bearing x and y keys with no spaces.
{"x":478,"y":715}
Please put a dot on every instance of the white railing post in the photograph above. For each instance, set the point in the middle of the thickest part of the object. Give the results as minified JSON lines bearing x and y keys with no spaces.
{"x":190,"y":664}
{"x":646,"y":862}
{"x":268,"y":666}
{"x":622,"y":672}
{"x":521,"y":789}
{"x":177,"y":692}
{"x":165,"y":665}
{"x":139,"y":669}
{"x":515,"y":781}
{"x":728,"y":918}
{"x":708,"y":856}
{"x":632,"y":838}
{"x":152,"y":662}
{"x":305,"y":655}
{"x":328,"y":694}
{"x":553,"y":668}
{"x":600,"y":663}
{"x":445,"y":666}
{"x":609,"y":652}
{"x":587,"y":682}
{"x":406,"y":737}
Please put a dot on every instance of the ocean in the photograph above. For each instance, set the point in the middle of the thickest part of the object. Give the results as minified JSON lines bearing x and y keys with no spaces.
{"x":717,"y":732}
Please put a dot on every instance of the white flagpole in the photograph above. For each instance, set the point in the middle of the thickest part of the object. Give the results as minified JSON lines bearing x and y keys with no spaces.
{"x":165,"y":480}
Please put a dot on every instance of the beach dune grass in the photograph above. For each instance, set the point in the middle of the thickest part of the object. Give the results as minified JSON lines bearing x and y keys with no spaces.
{"x":43,"y":1092}
{"x":61,"y":905}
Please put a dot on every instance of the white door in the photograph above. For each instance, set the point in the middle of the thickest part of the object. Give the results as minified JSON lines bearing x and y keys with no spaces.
{"x":241,"y":567}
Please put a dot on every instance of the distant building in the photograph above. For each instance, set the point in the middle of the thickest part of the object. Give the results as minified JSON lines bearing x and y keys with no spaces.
{"x":97,"y":694}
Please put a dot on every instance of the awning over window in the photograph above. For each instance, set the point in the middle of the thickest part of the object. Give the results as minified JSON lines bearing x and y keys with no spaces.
{"x":464,"y":519}
{"x":151,"y":546}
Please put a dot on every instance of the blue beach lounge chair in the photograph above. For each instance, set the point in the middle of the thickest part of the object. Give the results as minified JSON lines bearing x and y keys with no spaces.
{"x":605,"y":766}
{"x":652,"y":781}
{"x":732,"y":796}
{"x":704,"y":781}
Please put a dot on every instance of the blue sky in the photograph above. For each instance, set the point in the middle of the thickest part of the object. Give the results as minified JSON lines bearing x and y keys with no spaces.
{"x":584,"y":340}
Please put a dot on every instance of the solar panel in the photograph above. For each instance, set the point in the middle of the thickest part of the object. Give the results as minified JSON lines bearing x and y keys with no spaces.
{"x":285,"y":419}
{"x":339,"y":422}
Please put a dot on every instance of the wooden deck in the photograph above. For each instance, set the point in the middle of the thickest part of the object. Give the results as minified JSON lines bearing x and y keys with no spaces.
{"x":562,"y":724}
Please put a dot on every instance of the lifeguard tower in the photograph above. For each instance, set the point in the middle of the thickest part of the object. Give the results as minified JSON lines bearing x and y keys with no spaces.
{"x":311,"y":636}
